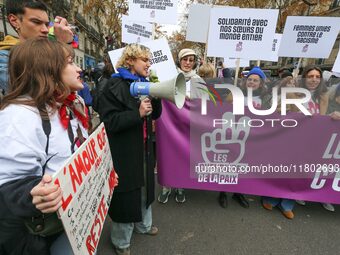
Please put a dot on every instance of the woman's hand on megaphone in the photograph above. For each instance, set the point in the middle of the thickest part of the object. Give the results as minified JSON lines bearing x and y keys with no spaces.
{"x":145,"y":107}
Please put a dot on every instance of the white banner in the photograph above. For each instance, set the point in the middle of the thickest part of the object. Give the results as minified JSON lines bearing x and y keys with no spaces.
{"x":161,"y":59}
{"x":198,"y":23}
{"x":135,"y":32}
{"x":156,"y":11}
{"x":241,"y":33}
{"x":309,"y":37}
{"x":336,"y":66}
{"x":87,"y":181}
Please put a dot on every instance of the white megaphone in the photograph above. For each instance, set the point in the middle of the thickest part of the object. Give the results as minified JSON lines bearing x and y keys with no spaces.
{"x":172,"y":90}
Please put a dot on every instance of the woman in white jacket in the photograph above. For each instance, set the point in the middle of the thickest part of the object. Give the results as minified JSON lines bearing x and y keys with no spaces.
{"x":43,"y":80}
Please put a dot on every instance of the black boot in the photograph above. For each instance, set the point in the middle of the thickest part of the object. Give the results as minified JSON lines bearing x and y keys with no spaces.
{"x":241,"y":200}
{"x":223,"y":199}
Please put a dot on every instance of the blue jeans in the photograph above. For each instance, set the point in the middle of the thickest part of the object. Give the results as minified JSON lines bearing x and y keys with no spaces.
{"x":121,"y":232}
{"x":61,"y":246}
{"x":285,"y":204}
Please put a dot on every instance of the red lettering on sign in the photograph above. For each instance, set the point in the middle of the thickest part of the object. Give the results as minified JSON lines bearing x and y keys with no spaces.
{"x":65,"y":202}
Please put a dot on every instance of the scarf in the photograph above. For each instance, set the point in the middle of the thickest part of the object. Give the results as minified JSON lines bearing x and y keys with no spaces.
{"x":127,"y":75}
{"x":188,"y":75}
{"x":73,"y":106}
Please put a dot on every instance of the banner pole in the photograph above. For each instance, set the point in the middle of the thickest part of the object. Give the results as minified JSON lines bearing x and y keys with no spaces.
{"x":153,"y":31}
{"x":237,"y":71}
{"x":296,"y":70}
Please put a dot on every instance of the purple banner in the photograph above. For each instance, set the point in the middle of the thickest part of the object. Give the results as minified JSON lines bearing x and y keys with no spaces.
{"x":293,"y":156}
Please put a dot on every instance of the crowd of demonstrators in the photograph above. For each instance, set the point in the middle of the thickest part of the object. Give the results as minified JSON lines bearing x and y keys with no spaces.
{"x":128,"y":127}
{"x":49,"y":98}
{"x":46,"y":98}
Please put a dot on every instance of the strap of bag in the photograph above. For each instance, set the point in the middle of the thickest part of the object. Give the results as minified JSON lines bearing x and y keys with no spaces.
{"x":80,"y":136}
{"x":46,"y":125}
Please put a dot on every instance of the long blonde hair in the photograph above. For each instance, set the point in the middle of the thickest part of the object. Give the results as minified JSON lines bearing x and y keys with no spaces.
{"x":35,"y":71}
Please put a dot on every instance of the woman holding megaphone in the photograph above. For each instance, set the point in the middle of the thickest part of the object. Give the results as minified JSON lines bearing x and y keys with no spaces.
{"x":126,"y":125}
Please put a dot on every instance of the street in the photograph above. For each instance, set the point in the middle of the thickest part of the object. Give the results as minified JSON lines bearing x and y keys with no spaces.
{"x":201,"y":226}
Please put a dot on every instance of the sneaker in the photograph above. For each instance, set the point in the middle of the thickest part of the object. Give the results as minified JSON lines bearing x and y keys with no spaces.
{"x":328,"y":207}
{"x":164,"y":195}
{"x":121,"y":251}
{"x":179,"y":196}
{"x":300,"y":202}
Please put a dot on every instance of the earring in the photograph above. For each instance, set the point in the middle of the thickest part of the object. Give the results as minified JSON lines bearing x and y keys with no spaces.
{"x":17,"y":29}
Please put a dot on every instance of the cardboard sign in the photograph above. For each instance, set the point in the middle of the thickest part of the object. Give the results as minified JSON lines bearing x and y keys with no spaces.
{"x":87,"y":181}
{"x":241,"y":33}
{"x":336,"y":66}
{"x":273,"y":55}
{"x":157,"y":11}
{"x":161,"y":59}
{"x":135,"y":32}
{"x":198,"y":23}
{"x":309,"y":37}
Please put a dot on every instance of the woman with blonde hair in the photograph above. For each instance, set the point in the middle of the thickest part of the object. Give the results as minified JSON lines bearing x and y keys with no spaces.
{"x":40,"y":117}
{"x":128,"y":127}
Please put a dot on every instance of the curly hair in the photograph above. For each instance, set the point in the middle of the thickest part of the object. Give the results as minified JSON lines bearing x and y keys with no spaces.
{"x":132,"y":52}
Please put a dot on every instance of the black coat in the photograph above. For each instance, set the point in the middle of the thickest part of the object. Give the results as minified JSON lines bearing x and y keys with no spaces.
{"x":124,"y":127}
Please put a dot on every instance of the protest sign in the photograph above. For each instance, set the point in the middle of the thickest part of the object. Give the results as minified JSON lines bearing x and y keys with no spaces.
{"x":336,"y":66}
{"x":161,"y":59}
{"x":156,"y":11}
{"x":198,"y":23}
{"x":309,"y":37}
{"x":273,"y":55}
{"x":241,"y":33}
{"x":231,"y":63}
{"x":135,"y":32}
{"x":249,"y":154}
{"x":87,"y":181}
